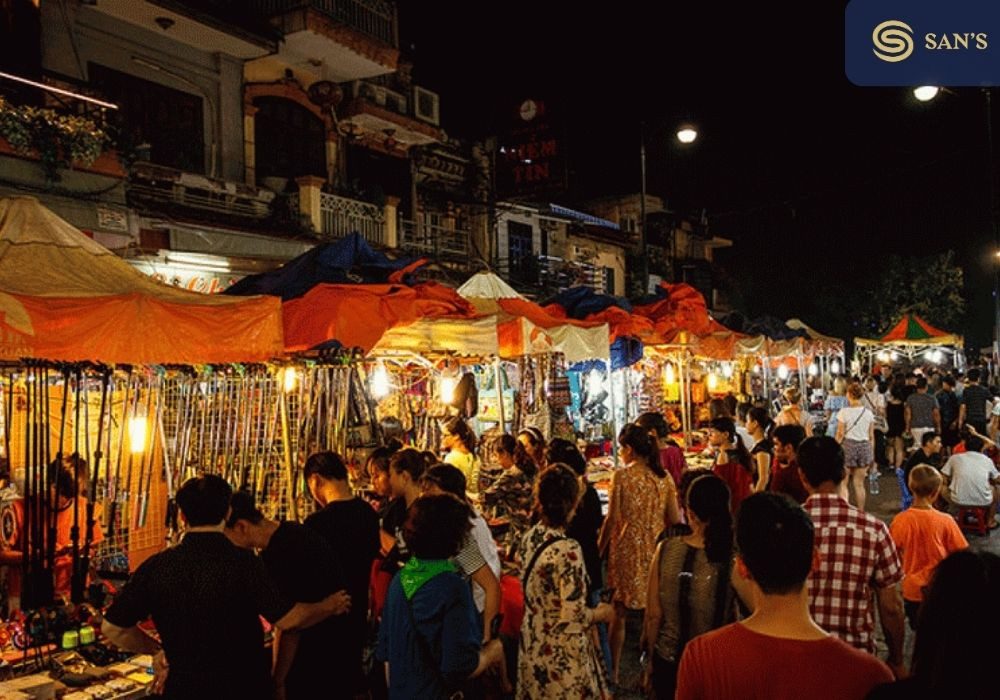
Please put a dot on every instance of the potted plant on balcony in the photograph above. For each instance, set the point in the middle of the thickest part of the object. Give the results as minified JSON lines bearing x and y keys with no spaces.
{"x":57,"y":140}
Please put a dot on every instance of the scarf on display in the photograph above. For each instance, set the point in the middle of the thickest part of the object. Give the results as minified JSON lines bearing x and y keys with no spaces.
{"x":415,"y":573}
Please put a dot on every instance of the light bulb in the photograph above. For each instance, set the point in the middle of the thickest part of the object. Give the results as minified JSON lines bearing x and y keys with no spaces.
{"x":381,"y":384}
{"x":894,"y":356}
{"x":782,"y":371}
{"x":926,"y":93}
{"x":289,"y":379}
{"x":712,"y":382}
{"x":137,"y":434}
{"x":727,"y":369}
{"x":813,"y":369}
{"x":835,"y":367}
{"x":447,"y":389}
{"x":669,"y":375}
{"x":756,"y":369}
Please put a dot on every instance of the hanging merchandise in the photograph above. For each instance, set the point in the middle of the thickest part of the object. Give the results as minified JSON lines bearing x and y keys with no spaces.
{"x":558,"y":385}
{"x":489,"y":400}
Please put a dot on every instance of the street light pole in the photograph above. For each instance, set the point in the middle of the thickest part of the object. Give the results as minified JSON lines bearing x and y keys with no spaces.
{"x":994,"y":225}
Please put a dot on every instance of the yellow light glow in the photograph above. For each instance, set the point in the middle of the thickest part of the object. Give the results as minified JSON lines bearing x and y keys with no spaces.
{"x":813,"y":369}
{"x":669,"y":375}
{"x":687,"y":134}
{"x":727,"y":369}
{"x":137,"y":434}
{"x":926,"y":93}
{"x":712,"y":381}
{"x":381,"y":384}
{"x":289,"y":379}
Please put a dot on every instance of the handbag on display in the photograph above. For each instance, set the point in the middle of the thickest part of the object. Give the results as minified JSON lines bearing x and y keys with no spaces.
{"x":489,"y":401}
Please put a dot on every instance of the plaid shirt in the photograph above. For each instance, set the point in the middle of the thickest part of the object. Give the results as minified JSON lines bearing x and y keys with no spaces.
{"x":856,"y":555}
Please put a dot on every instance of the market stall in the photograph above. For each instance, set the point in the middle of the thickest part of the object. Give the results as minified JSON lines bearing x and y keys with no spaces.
{"x":914,"y":340}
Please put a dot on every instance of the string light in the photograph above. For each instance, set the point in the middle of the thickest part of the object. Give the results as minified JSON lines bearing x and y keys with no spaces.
{"x":835,"y":367}
{"x":782,"y":371}
{"x":712,"y":382}
{"x":813,"y":369}
{"x":289,"y":379}
{"x":381,"y":384}
{"x":669,"y":375}
{"x":727,"y":369}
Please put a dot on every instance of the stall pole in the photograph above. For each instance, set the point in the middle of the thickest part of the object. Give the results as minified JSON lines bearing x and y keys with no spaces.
{"x":614,"y":412}
{"x":286,"y":444}
{"x":803,"y":389}
{"x":683,"y":374}
{"x":499,"y":386}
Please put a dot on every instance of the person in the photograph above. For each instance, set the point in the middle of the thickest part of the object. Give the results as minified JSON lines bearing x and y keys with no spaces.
{"x":305,"y":570}
{"x":792,"y":413}
{"x":732,"y":463}
{"x":350,"y":527}
{"x":972,"y":409}
{"x":834,"y":402}
{"x":377,"y":469}
{"x":971,"y":477}
{"x":858,"y":560}
{"x":874,"y":401}
{"x":671,"y":455}
{"x":66,"y":504}
{"x":510,"y":494}
{"x":642,"y":502}
{"x":929,"y":453}
{"x":923,"y":536}
{"x":429,"y":638}
{"x":205,"y":596}
{"x":856,"y":433}
{"x":406,"y":468}
{"x":950,"y":657}
{"x":760,"y":425}
{"x":895,"y":417}
{"x":689,"y":589}
{"x":477,"y":557}
{"x":921,"y":413}
{"x":557,"y":658}
{"x":460,"y":442}
{"x":779,"y":652}
{"x":742,"y":429}
{"x":533,"y":442}
{"x":949,"y":408}
{"x":787,"y":479}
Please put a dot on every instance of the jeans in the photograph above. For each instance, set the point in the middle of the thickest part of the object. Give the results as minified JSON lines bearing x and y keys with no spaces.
{"x":906,"y":498}
{"x":602,"y":631}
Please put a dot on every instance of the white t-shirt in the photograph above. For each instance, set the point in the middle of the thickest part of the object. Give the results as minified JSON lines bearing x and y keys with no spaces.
{"x":488,"y":547}
{"x":969,"y":476}
{"x":856,"y":421}
{"x":744,"y":435}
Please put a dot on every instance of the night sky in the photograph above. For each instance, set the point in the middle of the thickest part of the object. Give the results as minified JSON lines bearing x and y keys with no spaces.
{"x":814,"y":178}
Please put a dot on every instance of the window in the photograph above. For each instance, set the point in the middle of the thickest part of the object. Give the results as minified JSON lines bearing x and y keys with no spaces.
{"x":290,"y":140}
{"x":609,"y":280}
{"x":519,"y":252}
{"x":170,"y":121}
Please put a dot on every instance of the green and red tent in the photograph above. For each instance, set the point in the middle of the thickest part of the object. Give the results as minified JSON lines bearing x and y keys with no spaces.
{"x":911,"y":336}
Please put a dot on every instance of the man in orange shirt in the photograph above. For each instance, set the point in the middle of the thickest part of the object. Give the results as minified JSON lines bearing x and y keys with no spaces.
{"x":924,"y":536}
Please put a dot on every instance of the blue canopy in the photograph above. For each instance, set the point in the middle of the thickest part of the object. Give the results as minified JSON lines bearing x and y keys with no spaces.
{"x":769,"y":326}
{"x":580,"y":302}
{"x":349,"y":260}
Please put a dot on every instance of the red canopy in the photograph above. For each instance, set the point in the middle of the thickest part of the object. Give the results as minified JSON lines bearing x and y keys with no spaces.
{"x":682,"y":309}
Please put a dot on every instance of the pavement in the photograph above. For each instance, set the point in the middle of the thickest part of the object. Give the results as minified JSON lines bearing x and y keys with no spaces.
{"x":884,"y":505}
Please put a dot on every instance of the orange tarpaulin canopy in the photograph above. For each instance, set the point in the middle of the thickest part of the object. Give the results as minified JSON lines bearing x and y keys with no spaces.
{"x":682,"y":309}
{"x":65,"y":297}
{"x":621,"y":323}
{"x":358,"y":315}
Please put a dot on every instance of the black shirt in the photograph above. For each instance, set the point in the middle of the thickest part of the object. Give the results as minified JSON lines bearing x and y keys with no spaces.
{"x":392,"y":521}
{"x":918,"y":457}
{"x":305,"y":569}
{"x":583,"y":528}
{"x":204,"y":596}
{"x":351,"y":529}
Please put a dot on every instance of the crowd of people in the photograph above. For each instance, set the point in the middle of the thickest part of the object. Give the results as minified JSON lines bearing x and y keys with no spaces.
{"x":756,"y":577}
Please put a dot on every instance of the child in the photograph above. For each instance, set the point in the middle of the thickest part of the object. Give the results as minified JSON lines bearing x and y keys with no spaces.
{"x":924,"y":537}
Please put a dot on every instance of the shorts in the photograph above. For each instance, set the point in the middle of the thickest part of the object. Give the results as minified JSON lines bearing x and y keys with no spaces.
{"x":858,"y":453}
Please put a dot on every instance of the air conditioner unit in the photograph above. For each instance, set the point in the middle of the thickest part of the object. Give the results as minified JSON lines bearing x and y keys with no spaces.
{"x":426,"y":105}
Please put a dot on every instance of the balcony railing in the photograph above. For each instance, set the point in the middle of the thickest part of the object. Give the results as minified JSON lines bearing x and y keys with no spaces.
{"x":341,"y":216}
{"x":548,"y":274}
{"x":374,"y":18}
{"x":434,"y":241}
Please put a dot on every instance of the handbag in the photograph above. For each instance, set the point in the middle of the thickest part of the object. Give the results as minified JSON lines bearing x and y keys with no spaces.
{"x":881,"y":424}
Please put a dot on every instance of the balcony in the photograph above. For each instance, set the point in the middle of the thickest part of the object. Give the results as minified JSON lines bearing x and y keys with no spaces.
{"x":341,"y":216}
{"x":167,"y":190}
{"x":546,"y":274}
{"x":378,"y":113}
{"x":339,"y":40}
{"x":448,"y":244}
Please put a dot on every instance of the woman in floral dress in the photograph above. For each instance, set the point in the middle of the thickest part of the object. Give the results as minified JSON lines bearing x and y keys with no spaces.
{"x":511,"y":494}
{"x":557,"y":657}
{"x":642,"y":503}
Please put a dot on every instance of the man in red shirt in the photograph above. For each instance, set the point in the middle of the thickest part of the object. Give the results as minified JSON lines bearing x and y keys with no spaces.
{"x":857,"y":558}
{"x":779,"y":652}
{"x":785,"y":476}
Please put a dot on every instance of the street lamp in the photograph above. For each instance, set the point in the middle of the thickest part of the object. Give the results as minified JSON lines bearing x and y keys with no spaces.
{"x":686,"y":134}
{"x":926,"y":93}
